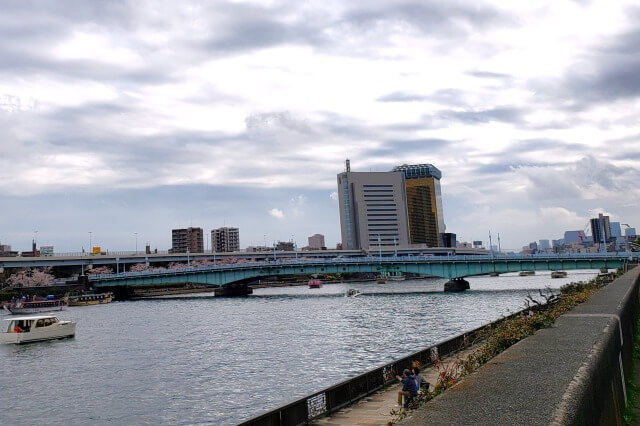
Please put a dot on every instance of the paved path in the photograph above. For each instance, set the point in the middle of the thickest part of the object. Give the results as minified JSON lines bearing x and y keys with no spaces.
{"x":376,"y":408}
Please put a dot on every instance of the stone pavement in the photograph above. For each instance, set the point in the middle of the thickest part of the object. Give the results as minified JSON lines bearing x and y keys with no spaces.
{"x":376,"y":408}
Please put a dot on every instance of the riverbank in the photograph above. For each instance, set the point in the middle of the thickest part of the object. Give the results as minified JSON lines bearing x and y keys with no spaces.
{"x":580,"y":362}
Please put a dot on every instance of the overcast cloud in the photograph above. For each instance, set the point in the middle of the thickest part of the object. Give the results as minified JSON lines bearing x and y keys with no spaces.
{"x":126,"y":117}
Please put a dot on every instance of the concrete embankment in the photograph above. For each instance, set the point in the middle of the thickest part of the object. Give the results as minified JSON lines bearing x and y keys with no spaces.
{"x":570,"y":374}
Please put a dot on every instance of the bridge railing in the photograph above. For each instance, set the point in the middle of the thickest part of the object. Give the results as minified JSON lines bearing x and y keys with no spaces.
{"x":338,"y":396}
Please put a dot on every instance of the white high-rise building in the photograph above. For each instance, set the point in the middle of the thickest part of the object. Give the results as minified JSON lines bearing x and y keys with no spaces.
{"x":373,"y":209}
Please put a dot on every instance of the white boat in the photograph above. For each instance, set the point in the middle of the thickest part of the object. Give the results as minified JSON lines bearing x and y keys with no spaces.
{"x":352,"y":292}
{"x":35,"y":329}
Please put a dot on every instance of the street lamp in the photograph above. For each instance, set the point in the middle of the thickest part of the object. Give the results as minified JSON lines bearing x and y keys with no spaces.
{"x":136,"y":234}
{"x":379,"y":248}
{"x":90,"y":242}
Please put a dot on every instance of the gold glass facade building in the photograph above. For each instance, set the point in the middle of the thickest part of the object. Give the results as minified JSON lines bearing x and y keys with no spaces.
{"x":424,"y":203}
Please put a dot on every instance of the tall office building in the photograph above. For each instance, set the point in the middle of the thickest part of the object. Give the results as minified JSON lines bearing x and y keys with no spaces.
{"x":573,"y":237}
{"x":316,"y":242}
{"x":601,"y":230}
{"x":424,"y":203}
{"x":187,"y":240}
{"x":225,"y":240}
{"x":448,"y":239}
{"x":544,"y":245}
{"x":616,"y":230}
{"x":373,"y":209}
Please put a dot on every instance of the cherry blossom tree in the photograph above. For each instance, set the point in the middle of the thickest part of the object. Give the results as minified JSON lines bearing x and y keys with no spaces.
{"x":100,"y":270}
{"x":31,"y":277}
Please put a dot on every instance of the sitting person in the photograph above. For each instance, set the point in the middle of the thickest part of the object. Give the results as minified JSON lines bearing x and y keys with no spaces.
{"x":420,"y":381}
{"x":409,"y":387}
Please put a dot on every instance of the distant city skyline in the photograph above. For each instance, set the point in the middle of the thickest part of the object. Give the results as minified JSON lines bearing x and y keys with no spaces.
{"x":126,"y":121}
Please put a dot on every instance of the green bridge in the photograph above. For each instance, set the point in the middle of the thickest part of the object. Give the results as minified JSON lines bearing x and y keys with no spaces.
{"x":454,"y":268}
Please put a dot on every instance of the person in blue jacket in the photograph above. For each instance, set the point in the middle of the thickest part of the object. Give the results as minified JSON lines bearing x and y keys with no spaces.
{"x":409,"y":387}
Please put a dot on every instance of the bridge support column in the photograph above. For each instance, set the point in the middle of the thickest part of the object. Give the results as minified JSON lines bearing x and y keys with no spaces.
{"x":456,"y":285}
{"x":235,"y":289}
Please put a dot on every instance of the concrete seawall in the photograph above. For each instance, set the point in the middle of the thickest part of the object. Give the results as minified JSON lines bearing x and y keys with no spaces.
{"x":570,"y":374}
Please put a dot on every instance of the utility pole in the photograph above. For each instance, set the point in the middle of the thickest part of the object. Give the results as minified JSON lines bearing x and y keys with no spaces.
{"x":490,"y":247}
{"x":379,"y":249}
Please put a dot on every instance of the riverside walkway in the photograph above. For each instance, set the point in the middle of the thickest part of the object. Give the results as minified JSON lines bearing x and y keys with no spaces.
{"x":376,"y":409}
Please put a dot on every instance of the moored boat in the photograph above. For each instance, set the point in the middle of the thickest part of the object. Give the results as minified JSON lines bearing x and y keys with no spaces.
{"x":396,"y":278}
{"x":36,"y":306}
{"x":315,"y":283}
{"x":381,"y":280}
{"x":526,"y":273}
{"x":35,"y":328}
{"x":353,"y":292}
{"x":558,"y":274}
{"x":90,"y":299}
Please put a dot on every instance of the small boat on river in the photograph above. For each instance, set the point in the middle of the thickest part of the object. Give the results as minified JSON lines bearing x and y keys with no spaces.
{"x":353,"y":292}
{"x":315,"y":283}
{"x":526,"y":273}
{"x":35,"y":329}
{"x":559,"y":274}
{"x":34,"y":307}
{"x":90,"y":299}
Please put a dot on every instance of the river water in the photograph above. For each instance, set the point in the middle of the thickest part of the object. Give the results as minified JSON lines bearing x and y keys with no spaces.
{"x":207,"y":360}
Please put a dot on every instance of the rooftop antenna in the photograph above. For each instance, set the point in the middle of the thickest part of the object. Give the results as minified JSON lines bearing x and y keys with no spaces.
{"x":348,"y":165}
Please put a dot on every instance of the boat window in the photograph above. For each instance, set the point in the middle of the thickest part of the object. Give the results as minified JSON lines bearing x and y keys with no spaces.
{"x":40,"y":323}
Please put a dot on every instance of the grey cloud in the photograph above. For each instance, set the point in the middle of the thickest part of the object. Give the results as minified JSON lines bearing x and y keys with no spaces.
{"x":402,"y":97}
{"x":608,"y":72}
{"x":490,"y":75}
{"x":448,"y":96}
{"x":274,"y":121}
{"x":435,"y":144}
{"x":529,"y":145}
{"x":502,"y":114}
{"x":493,"y":168}
{"x":431,"y":17}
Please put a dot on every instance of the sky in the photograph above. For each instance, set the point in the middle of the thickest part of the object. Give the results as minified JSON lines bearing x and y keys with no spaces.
{"x":120,"y":120}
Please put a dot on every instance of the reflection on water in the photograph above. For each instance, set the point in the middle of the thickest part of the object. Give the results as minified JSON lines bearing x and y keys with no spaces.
{"x":218,"y":360}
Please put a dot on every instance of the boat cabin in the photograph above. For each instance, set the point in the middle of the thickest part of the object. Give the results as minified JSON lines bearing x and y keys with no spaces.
{"x":29,"y":324}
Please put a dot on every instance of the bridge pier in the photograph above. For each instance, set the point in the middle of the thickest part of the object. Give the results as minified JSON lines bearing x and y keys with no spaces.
{"x":235,"y":289}
{"x":456,"y":285}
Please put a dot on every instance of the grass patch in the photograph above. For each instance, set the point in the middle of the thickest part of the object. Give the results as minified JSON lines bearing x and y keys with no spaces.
{"x":630,"y":415}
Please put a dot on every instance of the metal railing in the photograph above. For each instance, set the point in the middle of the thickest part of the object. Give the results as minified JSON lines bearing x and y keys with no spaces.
{"x":336,"y":397}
